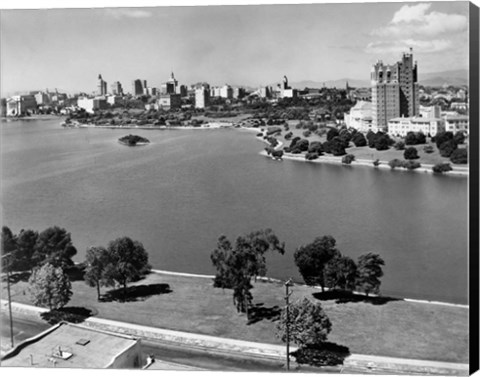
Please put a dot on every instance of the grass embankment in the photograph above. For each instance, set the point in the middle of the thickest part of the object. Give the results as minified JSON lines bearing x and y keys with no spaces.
{"x":366,"y":153}
{"x":394,"y":328}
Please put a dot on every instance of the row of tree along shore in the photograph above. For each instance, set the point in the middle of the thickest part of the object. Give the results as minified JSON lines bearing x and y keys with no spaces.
{"x":47,"y":257}
{"x":338,"y":140}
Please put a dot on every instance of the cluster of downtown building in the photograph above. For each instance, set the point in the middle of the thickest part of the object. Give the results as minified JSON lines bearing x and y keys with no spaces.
{"x":170,"y":96}
{"x":394,"y":104}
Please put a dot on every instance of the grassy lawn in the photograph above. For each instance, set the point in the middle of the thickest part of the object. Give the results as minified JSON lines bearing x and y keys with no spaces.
{"x":366,"y":153}
{"x":394,"y":328}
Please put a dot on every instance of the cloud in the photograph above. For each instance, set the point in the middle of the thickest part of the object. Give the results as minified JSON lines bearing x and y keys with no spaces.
{"x":422,"y":46}
{"x":414,"y":21}
{"x":119,"y":13}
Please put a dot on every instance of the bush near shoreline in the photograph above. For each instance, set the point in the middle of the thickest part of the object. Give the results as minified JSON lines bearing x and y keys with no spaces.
{"x":386,"y":327}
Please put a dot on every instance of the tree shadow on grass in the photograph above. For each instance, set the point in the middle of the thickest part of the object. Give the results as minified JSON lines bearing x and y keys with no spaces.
{"x":72,"y":314}
{"x":324,"y":354}
{"x":259,"y":313}
{"x":16,"y":277}
{"x":136,"y":293}
{"x":343,"y":297}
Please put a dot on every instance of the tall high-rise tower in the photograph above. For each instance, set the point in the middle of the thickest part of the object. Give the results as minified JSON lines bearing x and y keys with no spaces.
{"x":394,"y":91}
{"x":101,"y":86}
{"x":407,"y":71}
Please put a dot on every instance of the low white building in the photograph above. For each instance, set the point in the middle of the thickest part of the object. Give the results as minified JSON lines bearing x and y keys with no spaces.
{"x":360,"y":117}
{"x":454,"y":123}
{"x":92,"y":104}
{"x":21,"y":105}
{"x":402,"y":126}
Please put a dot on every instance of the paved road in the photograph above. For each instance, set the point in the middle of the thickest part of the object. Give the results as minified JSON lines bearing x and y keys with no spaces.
{"x":23,"y":328}
{"x":183,"y":357}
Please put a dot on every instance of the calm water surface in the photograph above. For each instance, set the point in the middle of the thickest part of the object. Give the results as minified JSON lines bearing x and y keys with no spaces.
{"x":181,"y":192}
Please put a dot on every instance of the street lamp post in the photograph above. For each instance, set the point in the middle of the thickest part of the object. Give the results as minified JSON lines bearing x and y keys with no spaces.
{"x":288,"y":284}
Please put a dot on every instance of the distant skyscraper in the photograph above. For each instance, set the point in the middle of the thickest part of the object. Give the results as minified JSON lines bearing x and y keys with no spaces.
{"x":394,"y":91}
{"x":137,"y":87}
{"x":101,"y":86}
{"x":117,"y":88}
{"x":202,"y":97}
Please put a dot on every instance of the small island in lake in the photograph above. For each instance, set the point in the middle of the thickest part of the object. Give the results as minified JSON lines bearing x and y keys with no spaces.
{"x":133,"y":140}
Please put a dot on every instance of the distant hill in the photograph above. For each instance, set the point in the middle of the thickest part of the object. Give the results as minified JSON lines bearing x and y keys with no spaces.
{"x":455,"y":77}
{"x":341,"y":83}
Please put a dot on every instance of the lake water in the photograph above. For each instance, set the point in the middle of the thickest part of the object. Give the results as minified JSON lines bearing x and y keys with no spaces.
{"x":181,"y":192}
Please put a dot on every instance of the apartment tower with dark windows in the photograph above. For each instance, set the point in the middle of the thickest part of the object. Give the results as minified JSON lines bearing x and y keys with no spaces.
{"x":394,"y":91}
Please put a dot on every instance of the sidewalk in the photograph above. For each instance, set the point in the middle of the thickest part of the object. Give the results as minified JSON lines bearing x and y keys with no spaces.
{"x":254,"y":349}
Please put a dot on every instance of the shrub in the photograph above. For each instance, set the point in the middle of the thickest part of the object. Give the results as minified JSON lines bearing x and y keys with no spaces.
{"x":442,"y":167}
{"x":288,"y":136}
{"x":277,"y":154}
{"x":311,"y":156}
{"x":286,"y":149}
{"x":307,"y":133}
{"x":348,"y":159}
{"x":410,"y":153}
{"x":428,"y":149}
{"x":259,"y":134}
{"x":459,"y":156}
{"x":411,"y":165}
{"x":376,"y":162}
{"x":399,"y":145}
{"x":321,"y":355}
{"x":395,"y":163}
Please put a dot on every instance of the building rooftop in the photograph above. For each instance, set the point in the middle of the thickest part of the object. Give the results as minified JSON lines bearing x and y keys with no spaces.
{"x":69,"y":346}
{"x":415,"y":119}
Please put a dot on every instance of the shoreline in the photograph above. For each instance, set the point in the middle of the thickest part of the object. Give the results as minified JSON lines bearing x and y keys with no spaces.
{"x":206,"y":126}
{"x":272,"y":280}
{"x":425,"y":168}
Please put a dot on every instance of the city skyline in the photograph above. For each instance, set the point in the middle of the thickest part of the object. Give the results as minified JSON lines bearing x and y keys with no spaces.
{"x":240,"y":45}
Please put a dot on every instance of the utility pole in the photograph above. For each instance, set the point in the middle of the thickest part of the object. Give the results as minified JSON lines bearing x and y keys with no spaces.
{"x":288,"y":284}
{"x":6,"y":256}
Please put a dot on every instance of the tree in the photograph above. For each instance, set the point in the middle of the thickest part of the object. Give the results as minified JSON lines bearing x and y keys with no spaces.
{"x":442,"y":137}
{"x":332,"y":132}
{"x":237,"y":264}
{"x":96,"y":260}
{"x":447,"y":148}
{"x":50,"y":286}
{"x":441,"y":167}
{"x":127,"y":262}
{"x":410,"y":153}
{"x":399,"y":145}
{"x":26,"y":241}
{"x":341,"y":273}
{"x":459,"y":156}
{"x":9,"y":246}
{"x":359,"y":140}
{"x":315,"y":147}
{"x":369,"y":272}
{"x":382,"y":142}
{"x":54,"y":245}
{"x":307,"y":323}
{"x":348,"y":159}
{"x":337,"y":147}
{"x":411,"y":138}
{"x":459,"y":137}
{"x":311,"y":259}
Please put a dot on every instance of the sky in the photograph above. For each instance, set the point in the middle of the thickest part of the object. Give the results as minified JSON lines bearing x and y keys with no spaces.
{"x":249,"y":45}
